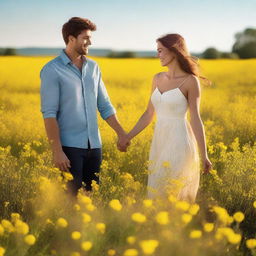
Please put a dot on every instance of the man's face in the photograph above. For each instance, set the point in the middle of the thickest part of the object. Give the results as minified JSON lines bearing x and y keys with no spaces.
{"x":82,"y":42}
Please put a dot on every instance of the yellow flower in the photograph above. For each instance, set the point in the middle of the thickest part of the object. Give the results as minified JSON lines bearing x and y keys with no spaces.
{"x":101,"y":227}
{"x":238,"y":216}
{"x":15,"y":216}
{"x":95,"y":186}
{"x":172,"y":198}
{"x":234,"y":238}
{"x":149,"y":246}
{"x":86,"y":246}
{"x":84,"y":199}
{"x":111,"y":252}
{"x":127,"y":176}
{"x":131,"y":239}
{"x":223,"y":215}
{"x":2,"y":251}
{"x":254,"y":204}
{"x":147,"y":202}
{"x":1,"y":230}
{"x":208,"y":227}
{"x":162,"y":218}
{"x":130,"y":200}
{"x":67,"y":175}
{"x":166,"y":164}
{"x":90,"y":207}
{"x":186,"y":218}
{"x":115,"y":204}
{"x":138,"y":217}
{"x":77,"y":207}
{"x":6,"y":203}
{"x":230,"y":219}
{"x":130,"y":252}
{"x":195,"y":234}
{"x":75,"y":235}
{"x":61,"y":222}
{"x":49,"y":221}
{"x":7,"y":225}
{"x":223,"y":231}
{"x":21,"y":227}
{"x":251,"y":243}
{"x":194,"y":208}
{"x":75,"y":254}
{"x":86,"y":217}
{"x":29,"y":239}
{"x":183,"y":205}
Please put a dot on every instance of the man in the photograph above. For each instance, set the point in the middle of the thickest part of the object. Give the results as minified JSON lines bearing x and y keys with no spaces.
{"x":71,"y":92}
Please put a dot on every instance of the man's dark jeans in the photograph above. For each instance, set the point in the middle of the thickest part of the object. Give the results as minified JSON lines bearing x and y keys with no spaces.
{"x":84,"y":164}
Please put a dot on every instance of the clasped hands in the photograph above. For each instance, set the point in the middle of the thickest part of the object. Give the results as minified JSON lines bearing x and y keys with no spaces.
{"x":123,"y":142}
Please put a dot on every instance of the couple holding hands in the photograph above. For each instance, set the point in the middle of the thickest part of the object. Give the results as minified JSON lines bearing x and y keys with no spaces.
{"x":72,"y":91}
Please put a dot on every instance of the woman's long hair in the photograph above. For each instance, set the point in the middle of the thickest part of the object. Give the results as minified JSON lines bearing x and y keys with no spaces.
{"x":176,"y":43}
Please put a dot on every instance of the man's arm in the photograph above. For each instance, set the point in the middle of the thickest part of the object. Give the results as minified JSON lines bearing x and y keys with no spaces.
{"x":60,"y":160}
{"x":49,"y":93}
{"x":108,"y":113}
{"x":122,"y":135}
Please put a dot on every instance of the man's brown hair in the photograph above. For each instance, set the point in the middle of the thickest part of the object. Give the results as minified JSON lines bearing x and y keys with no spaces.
{"x":75,"y":26}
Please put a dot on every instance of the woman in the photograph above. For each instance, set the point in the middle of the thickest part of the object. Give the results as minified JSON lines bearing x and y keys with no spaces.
{"x":174,"y":162}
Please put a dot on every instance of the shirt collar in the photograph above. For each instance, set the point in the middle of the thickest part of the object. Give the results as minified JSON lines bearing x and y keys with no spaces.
{"x":66,"y":59}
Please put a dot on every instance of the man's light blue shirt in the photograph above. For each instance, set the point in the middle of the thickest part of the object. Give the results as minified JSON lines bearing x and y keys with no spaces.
{"x":73,"y":97}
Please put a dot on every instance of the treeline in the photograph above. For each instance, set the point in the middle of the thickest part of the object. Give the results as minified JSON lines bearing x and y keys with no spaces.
{"x":125,"y":54}
{"x":243,"y":48}
{"x":8,"y":51}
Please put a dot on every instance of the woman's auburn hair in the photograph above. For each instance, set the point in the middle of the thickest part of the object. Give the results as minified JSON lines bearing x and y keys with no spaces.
{"x":176,"y":43}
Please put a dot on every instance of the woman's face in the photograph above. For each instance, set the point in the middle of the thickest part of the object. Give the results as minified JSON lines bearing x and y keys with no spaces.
{"x":164,"y":54}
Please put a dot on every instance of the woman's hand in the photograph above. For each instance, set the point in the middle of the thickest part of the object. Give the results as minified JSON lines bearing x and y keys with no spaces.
{"x":207,"y":165}
{"x":123,"y":142}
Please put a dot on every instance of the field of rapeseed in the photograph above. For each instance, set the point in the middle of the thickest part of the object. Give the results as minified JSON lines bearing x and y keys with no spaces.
{"x":38,"y":218}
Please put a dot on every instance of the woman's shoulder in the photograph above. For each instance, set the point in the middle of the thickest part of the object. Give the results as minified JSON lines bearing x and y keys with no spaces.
{"x":194,"y":83}
{"x":158,"y":75}
{"x":194,"y":79}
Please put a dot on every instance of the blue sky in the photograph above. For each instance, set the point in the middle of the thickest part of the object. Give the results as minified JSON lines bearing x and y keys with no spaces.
{"x":127,"y":25}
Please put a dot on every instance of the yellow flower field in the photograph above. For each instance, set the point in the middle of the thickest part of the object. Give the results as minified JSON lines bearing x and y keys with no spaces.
{"x":37,"y":216}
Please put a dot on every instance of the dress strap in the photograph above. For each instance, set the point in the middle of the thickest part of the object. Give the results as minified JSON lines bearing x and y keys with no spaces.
{"x":183,"y":81}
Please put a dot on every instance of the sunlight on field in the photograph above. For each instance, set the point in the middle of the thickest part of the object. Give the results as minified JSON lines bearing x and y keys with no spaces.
{"x":38,"y":218}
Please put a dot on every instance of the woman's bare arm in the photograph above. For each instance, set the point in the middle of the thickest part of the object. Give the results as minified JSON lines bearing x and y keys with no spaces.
{"x":147,"y":117}
{"x":194,"y":94}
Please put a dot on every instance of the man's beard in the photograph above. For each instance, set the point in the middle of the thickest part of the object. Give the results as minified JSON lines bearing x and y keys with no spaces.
{"x":82,"y":51}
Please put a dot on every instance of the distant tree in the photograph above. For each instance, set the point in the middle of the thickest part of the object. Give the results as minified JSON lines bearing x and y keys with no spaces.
{"x":211,"y":53}
{"x":229,"y":55}
{"x":245,"y":45}
{"x":125,"y":54}
{"x":10,"y":51}
{"x":112,"y":54}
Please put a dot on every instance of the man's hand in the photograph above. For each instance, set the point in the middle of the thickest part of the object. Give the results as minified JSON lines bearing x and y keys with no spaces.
{"x":61,"y":161}
{"x":123,"y":142}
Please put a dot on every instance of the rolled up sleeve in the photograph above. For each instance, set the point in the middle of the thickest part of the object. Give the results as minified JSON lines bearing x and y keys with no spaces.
{"x":49,"y":92}
{"x":104,"y":104}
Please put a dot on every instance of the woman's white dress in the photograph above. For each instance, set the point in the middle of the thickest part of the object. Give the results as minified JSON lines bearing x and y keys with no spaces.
{"x":174,"y":165}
